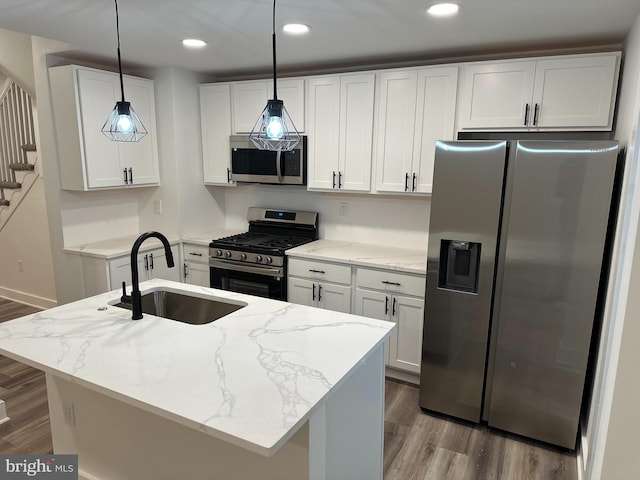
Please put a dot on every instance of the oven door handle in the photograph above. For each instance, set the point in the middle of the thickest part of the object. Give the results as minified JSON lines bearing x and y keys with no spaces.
{"x":268,"y":271}
{"x":279,"y":166}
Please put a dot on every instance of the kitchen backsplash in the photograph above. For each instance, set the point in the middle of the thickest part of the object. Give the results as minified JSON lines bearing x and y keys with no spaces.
{"x":384,"y":220}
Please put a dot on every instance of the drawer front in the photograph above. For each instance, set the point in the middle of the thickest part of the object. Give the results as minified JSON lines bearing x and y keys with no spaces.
{"x":391,"y":282}
{"x":196,"y":253}
{"x":328,"y":272}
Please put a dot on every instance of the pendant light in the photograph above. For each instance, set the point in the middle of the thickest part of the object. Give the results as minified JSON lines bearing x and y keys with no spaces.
{"x":274,"y":130}
{"x":123,"y":124}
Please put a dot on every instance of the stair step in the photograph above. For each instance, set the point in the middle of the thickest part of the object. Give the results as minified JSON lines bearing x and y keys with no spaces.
{"x":29,"y":147}
{"x":21,"y":166}
{"x":4,"y":203}
{"x":10,"y":185}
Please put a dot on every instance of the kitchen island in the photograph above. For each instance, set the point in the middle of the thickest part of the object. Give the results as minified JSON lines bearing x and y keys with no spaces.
{"x":270,"y":391}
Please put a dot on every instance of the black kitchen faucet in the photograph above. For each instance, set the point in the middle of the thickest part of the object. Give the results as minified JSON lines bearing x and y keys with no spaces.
{"x":135,"y":299}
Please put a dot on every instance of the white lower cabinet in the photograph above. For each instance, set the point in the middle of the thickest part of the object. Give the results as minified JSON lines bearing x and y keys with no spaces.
{"x":195,"y":265}
{"x":319,"y":284}
{"x":151,"y":264}
{"x":398,"y":298}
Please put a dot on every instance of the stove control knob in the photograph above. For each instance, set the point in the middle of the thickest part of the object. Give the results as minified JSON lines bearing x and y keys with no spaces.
{"x":218,"y":253}
{"x":269,"y":259}
{"x":243,"y":256}
{"x":227,"y":254}
{"x":259,"y":259}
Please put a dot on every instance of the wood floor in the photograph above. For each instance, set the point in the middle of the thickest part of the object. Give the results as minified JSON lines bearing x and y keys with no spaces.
{"x":417,"y":446}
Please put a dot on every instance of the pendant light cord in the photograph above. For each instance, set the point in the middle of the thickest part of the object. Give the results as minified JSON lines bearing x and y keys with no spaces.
{"x":275,"y":89}
{"x":119,"y":59}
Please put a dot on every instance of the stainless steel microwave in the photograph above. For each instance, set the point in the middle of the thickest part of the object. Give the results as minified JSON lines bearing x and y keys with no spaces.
{"x":248,"y":164}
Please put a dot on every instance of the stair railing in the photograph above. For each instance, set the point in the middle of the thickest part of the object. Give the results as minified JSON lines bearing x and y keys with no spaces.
{"x":16,"y":129}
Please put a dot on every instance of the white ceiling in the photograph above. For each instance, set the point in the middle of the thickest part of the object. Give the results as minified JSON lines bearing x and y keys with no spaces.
{"x":344,"y":32}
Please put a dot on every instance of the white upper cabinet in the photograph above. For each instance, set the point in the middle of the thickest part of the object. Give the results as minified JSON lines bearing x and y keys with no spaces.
{"x":415,"y":108}
{"x":215,"y":113}
{"x":248,"y":99}
{"x":82,"y":100}
{"x":340,"y":132}
{"x":573,"y":92}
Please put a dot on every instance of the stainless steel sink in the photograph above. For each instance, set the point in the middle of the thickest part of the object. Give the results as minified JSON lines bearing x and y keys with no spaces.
{"x":183,"y":307}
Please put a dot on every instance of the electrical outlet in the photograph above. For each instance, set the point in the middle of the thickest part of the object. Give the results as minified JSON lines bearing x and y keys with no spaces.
{"x":20,"y":266}
{"x":157,"y":207}
{"x":344,"y":209}
{"x":69,"y":414}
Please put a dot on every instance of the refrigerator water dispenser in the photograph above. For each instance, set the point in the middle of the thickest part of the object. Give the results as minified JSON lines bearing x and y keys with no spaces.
{"x":459,"y":261}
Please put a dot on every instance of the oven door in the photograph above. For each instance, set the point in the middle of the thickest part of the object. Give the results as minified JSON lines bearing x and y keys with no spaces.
{"x":259,"y":280}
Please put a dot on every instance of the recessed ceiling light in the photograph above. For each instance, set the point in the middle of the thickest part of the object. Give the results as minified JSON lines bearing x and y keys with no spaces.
{"x":443,"y":9}
{"x":296,"y":28}
{"x":193,"y":43}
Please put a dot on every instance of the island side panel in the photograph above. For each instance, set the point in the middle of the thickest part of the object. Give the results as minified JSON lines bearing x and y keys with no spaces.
{"x":347,"y":433}
{"x":115,"y":440}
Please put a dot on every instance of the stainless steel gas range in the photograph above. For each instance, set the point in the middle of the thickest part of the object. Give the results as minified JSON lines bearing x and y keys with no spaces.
{"x":254,"y":262}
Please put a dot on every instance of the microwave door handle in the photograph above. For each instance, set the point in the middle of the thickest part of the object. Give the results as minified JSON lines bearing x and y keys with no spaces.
{"x":279,"y":166}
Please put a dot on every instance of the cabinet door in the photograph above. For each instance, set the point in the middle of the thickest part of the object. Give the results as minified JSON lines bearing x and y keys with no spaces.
{"x":158,"y":265}
{"x":196,"y":274}
{"x":120,"y":271}
{"x":496,"y":95}
{"x":374,"y":305}
{"x":301,"y":291}
{"x":576,"y":92}
{"x":405,"y":346}
{"x":323,"y":132}
{"x":334,"y":297}
{"x":435,"y":120}
{"x":395,"y":124}
{"x":215,"y":115}
{"x":97,"y":93}
{"x":141,"y":157}
{"x":291,"y":92}
{"x":356,"y":131}
{"x":247,"y":102}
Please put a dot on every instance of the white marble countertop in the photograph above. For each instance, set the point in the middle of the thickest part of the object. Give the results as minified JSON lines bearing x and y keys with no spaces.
{"x":117,"y":247}
{"x":252,"y":378}
{"x":364,"y":254}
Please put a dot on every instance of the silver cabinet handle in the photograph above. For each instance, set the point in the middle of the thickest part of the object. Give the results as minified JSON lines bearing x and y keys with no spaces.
{"x":313,"y":270}
{"x":391,"y":283}
{"x":126,"y":180}
{"x":130,"y":176}
{"x":526,"y":115}
{"x":151,"y":260}
{"x":195,"y":254}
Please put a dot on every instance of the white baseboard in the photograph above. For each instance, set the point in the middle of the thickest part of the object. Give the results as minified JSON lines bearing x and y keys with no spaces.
{"x":3,"y":413}
{"x":27,"y":298}
{"x":402,"y":375}
{"x":82,"y":475}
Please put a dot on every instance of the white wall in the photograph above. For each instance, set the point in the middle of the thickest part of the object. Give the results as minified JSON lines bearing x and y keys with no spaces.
{"x":25,"y":253}
{"x":15,"y":59}
{"x":611,"y":438}
{"x":380,"y":219}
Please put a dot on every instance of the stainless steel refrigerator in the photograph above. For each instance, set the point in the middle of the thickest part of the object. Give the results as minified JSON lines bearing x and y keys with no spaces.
{"x":516,"y":251}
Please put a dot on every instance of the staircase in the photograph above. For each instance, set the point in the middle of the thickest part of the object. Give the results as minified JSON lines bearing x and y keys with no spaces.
{"x":17,"y":149}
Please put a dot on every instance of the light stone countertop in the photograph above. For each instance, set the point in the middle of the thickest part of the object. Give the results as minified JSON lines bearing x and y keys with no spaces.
{"x":364,"y":254}
{"x":251,"y":378}
{"x":118,"y":247}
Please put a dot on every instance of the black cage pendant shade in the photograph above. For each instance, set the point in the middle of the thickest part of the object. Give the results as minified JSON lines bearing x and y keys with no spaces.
{"x":274,"y":130}
{"x":123,"y":124}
